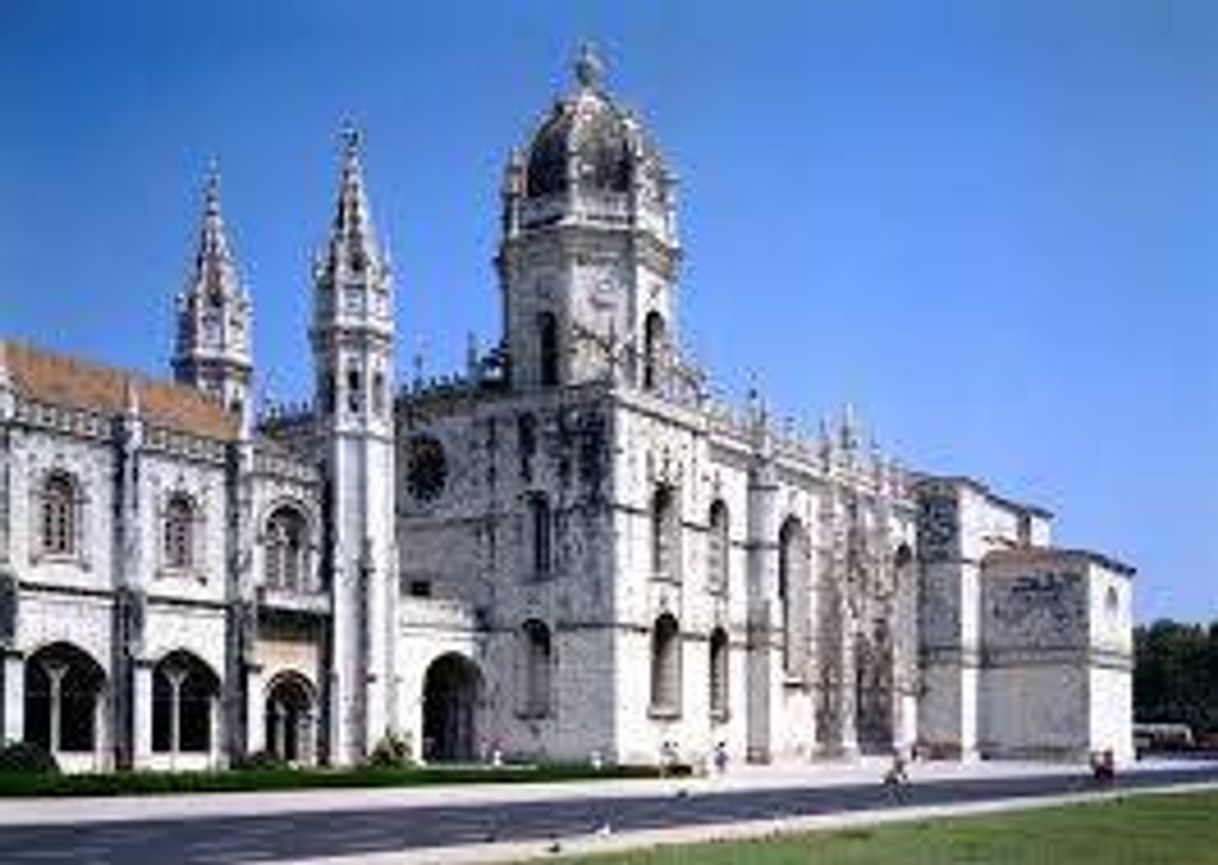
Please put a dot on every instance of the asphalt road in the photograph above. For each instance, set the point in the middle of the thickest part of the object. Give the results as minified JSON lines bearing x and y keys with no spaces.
{"x":287,"y":836}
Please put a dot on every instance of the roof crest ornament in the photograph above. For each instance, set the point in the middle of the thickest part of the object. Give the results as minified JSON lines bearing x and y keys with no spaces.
{"x":350,"y":137}
{"x":588,"y":67}
{"x":211,"y":189}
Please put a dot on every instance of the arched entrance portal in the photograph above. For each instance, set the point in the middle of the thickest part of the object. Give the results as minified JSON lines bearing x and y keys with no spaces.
{"x":452,"y":692}
{"x":290,"y":719}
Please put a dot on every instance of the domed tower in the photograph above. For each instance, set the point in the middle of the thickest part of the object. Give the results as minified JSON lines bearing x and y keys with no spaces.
{"x":589,"y":255}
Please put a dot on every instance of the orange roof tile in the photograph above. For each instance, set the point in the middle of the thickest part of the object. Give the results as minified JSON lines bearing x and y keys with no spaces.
{"x":73,"y":382}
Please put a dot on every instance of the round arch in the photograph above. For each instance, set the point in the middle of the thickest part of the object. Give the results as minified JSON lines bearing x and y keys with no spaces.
{"x":291,"y":717}
{"x":452,"y":700}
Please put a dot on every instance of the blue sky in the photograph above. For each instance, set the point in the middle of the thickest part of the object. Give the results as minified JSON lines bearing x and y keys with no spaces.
{"x":992,"y":226}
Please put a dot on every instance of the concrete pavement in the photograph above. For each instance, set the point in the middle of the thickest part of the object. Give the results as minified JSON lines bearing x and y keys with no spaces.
{"x":486,"y":823}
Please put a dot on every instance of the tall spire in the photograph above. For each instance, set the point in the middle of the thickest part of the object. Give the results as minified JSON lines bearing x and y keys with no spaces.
{"x":353,"y":245}
{"x":353,"y":348}
{"x":214,"y":268}
{"x":213,"y":339}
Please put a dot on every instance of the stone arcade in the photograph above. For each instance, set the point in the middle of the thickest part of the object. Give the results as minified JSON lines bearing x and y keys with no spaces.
{"x":570,"y":549}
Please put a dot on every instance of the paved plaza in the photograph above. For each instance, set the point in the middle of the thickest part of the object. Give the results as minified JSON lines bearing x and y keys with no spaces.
{"x":490,"y":823}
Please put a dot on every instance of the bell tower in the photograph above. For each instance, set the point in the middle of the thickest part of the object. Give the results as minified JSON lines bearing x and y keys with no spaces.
{"x":213,"y":350}
{"x":589,"y":254}
{"x":352,"y":338}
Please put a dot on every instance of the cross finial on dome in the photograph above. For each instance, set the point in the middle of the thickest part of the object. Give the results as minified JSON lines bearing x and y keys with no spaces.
{"x":588,"y":67}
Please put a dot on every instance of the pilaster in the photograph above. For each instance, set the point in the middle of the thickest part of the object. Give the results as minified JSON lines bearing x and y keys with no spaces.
{"x":13,"y":729}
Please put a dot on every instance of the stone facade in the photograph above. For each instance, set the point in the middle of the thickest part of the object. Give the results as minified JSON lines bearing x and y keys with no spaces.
{"x":569,"y":550}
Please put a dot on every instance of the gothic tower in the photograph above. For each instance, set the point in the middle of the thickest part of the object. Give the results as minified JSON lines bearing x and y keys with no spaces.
{"x":352,"y":337}
{"x":213,"y":351}
{"x":589,"y":254}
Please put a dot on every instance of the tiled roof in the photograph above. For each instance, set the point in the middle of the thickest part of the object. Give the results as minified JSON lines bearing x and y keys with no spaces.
{"x":76,"y":383}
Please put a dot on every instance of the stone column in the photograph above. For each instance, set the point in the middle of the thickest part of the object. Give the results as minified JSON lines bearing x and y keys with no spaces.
{"x":305,"y":737}
{"x":216,"y":734}
{"x":848,"y":696}
{"x":141,"y":709}
{"x":55,"y":674}
{"x":255,"y":708}
{"x":14,"y":696}
{"x":175,"y":713}
{"x":101,"y":732}
{"x":762,"y":666}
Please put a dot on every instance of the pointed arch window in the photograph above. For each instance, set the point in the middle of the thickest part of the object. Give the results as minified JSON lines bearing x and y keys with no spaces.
{"x":547,"y":347}
{"x":665,"y":558}
{"x":354,"y":391}
{"x":178,"y":532}
{"x":378,"y":393}
{"x":287,"y":551}
{"x":540,"y":518}
{"x":793,"y":596}
{"x":60,"y":515}
{"x":666,"y":666}
{"x":717,"y":548}
{"x":537,"y":661}
{"x":718,"y":675}
{"x":653,"y":350}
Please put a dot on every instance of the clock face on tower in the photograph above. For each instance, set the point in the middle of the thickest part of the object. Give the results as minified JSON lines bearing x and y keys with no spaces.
{"x":426,"y":468}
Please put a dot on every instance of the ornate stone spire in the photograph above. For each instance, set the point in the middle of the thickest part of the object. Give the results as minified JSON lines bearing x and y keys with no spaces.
{"x":215,"y":272}
{"x":213,"y":351}
{"x":353,"y":246}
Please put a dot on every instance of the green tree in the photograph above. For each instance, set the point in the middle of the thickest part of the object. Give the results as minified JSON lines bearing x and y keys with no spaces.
{"x":1176,"y":674}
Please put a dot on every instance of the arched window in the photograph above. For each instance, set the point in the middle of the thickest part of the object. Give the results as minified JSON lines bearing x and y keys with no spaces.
{"x":63,"y":689}
{"x":653,"y":350}
{"x":184,"y":697}
{"x":378,"y":393}
{"x":547,"y":347}
{"x":287,"y":550}
{"x":718,"y":674}
{"x":59,"y":515}
{"x":355,"y":396}
{"x":328,"y":389}
{"x":666,"y":666}
{"x":664,"y":557}
{"x":537,"y":661}
{"x":178,"y":540}
{"x":717,"y":548}
{"x":793,"y":591}
{"x":539,"y":534}
{"x":526,"y":437}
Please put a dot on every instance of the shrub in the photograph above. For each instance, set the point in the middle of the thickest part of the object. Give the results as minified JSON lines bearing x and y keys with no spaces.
{"x":27,"y":758}
{"x":392,"y":752}
{"x":260,"y":760}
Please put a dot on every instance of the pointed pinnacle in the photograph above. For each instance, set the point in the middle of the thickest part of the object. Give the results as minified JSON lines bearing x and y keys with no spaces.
{"x":211,"y":192}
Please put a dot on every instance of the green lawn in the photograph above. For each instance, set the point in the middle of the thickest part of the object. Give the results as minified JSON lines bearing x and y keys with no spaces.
{"x":1177,"y":829}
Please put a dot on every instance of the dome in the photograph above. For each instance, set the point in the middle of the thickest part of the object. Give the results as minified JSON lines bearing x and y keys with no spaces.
{"x":587,"y":138}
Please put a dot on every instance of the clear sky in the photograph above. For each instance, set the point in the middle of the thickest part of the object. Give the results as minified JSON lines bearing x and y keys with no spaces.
{"x":992,"y":226}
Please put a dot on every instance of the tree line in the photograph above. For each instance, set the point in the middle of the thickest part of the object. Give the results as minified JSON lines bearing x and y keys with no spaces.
{"x":1176,"y":674}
